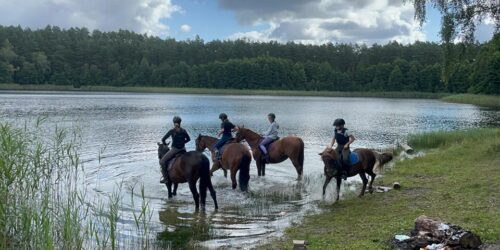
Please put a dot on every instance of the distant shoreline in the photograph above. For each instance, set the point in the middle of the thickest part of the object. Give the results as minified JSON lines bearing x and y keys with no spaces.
{"x":490,"y":101}
{"x":125,"y":89}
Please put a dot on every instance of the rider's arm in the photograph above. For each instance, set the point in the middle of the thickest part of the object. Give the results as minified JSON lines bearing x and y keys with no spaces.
{"x":333,"y":142}
{"x":165,"y":137}
{"x":220,"y":132}
{"x":351,"y":140}
{"x":187,"y":138}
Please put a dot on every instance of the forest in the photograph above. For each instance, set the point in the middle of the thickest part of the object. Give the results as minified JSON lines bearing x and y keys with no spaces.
{"x":81,"y":57}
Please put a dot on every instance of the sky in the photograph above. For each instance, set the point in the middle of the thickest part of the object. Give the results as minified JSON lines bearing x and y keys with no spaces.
{"x":303,"y":21}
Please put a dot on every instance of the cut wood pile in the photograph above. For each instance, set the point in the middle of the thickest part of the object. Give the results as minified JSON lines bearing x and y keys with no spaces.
{"x":434,"y":234}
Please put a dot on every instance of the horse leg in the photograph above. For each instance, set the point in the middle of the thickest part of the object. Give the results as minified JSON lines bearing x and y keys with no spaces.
{"x":259,"y":167}
{"x":339,"y":181}
{"x":365,"y":181}
{"x":298,"y":167}
{"x":263,"y":169}
{"x":372,"y":178}
{"x":196,"y":197}
{"x":327,"y":180}
{"x":214,"y":168}
{"x":203,"y":195}
{"x":225,"y":172}
{"x":169,"y":187}
{"x":175,"y":189}
{"x":233,"y":178}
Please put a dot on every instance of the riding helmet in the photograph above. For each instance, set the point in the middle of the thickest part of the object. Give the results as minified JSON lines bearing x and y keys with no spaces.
{"x":223,"y":116}
{"x":339,"y":122}
{"x":177,"y":120}
{"x":272,"y":115}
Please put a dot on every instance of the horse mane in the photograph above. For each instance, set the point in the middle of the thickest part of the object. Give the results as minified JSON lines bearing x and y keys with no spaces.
{"x":381,"y":159}
{"x":329,"y":154}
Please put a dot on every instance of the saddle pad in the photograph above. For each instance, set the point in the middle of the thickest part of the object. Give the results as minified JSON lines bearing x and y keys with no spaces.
{"x":353,"y":158}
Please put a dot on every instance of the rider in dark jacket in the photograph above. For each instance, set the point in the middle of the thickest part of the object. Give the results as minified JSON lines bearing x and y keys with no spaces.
{"x":179,"y":139}
{"x":344,"y":139}
{"x":226,"y":129}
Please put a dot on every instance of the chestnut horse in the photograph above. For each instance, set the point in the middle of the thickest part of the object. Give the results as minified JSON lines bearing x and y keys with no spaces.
{"x":287,"y":147}
{"x":235,"y":156}
{"x":189,"y":167}
{"x":368,"y":161}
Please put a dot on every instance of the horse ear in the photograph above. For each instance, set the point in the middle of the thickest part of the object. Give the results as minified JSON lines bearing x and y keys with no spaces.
{"x":320,"y":153}
{"x":159,"y":143}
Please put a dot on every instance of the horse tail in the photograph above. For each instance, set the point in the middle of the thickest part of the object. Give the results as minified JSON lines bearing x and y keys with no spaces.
{"x":205,"y":181}
{"x":301,"y":156}
{"x":381,"y":160}
{"x":244,"y":167}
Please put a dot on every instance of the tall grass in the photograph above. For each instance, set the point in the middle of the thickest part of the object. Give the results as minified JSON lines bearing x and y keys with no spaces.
{"x":443,"y":138}
{"x":492,"y":101}
{"x":43,"y":203}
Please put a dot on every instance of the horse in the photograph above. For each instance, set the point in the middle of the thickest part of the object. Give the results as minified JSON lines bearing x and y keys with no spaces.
{"x":368,"y":161}
{"x":235,"y":157}
{"x":189,"y":167}
{"x":289,"y":147}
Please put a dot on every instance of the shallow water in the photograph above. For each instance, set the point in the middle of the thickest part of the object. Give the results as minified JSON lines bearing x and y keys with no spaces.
{"x":120,"y":132}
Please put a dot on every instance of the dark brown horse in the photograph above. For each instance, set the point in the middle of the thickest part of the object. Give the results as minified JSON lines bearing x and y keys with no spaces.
{"x":189,"y":167}
{"x":368,"y":161}
{"x":287,"y":147}
{"x":235,"y":157}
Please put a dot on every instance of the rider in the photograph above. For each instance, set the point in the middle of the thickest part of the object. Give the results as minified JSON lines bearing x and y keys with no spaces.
{"x":344,"y":139}
{"x":179,"y":139}
{"x":226,"y":128}
{"x":270,"y":135}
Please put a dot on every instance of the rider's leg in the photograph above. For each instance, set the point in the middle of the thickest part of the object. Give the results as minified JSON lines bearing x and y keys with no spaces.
{"x":164,"y":163}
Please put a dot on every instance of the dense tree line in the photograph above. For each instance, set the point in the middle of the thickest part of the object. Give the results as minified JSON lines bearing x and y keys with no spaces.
{"x":79,"y":57}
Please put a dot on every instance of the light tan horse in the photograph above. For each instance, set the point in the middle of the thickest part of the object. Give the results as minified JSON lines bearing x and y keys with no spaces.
{"x":235,"y":157}
{"x":287,"y":147}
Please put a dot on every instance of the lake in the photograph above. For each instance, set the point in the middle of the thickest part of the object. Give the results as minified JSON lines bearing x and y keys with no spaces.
{"x":120,"y":131}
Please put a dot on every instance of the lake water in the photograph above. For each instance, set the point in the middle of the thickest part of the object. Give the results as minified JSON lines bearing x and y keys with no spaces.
{"x":124,"y":128}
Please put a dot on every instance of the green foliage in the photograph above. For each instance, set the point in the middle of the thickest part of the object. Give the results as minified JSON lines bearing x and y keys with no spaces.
{"x":76,"y":57}
{"x":491,"y":101}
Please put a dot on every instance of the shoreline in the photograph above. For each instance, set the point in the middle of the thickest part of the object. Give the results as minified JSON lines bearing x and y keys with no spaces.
{"x":206,"y":91}
{"x":487,"y":101}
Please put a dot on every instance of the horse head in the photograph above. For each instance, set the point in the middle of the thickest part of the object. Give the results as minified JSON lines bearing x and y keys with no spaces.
{"x":162,"y":149}
{"x":240,"y":133}
{"x":200,"y":145}
{"x":331,"y":160}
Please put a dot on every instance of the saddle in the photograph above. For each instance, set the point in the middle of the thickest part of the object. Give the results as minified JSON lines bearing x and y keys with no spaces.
{"x":352,"y":160}
{"x":221,"y":151}
{"x":171,"y":162}
{"x":268,"y":146}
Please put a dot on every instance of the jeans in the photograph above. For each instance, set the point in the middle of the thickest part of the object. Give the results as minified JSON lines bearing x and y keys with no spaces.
{"x":221,"y":142}
{"x":167,"y":157}
{"x":263,"y":144}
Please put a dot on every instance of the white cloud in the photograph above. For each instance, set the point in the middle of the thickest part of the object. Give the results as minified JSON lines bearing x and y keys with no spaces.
{"x":320,"y":21}
{"x":143,"y":16}
{"x":185,"y":28}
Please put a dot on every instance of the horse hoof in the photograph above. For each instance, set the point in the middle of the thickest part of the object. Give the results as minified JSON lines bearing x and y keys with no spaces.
{"x":170,"y":196}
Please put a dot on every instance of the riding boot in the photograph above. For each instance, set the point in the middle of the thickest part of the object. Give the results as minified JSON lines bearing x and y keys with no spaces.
{"x":217,"y":155}
{"x":267,"y":159}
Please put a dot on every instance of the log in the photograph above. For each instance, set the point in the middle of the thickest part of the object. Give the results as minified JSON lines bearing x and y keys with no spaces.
{"x":299,"y":245}
{"x":450,"y":235}
{"x":406,"y":147}
{"x":430,"y":233}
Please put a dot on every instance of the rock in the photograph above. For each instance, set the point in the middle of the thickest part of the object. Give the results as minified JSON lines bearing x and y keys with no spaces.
{"x":396,"y":185}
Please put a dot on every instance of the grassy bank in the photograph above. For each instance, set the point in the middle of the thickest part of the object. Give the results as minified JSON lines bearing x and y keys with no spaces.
{"x":490,"y":101}
{"x":457,"y":180}
{"x":48,"y":87}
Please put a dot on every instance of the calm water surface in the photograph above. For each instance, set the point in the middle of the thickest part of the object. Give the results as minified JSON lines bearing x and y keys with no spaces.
{"x":124,"y":128}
